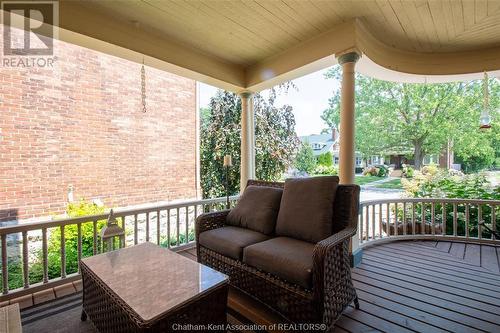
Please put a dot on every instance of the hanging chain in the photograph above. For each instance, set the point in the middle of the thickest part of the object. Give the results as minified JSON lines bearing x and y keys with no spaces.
{"x":143,"y":86}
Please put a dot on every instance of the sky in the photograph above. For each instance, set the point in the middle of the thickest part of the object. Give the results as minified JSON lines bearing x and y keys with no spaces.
{"x":308,"y":101}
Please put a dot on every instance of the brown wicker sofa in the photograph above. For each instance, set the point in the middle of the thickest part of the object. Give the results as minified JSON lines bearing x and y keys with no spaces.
{"x":305,"y":281}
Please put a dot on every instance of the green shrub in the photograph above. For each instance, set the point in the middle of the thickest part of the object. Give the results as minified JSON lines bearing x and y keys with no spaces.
{"x":173,"y":239}
{"x":81,"y":208}
{"x":383,"y":171}
{"x":325,"y":170}
{"x":434,"y":183}
{"x":408,"y":171}
{"x":378,"y":171}
{"x":325,"y":159}
{"x":305,"y":160}
{"x":77,"y":209}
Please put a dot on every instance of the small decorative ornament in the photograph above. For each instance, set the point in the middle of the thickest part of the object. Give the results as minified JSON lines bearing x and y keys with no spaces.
{"x":484,"y":118}
{"x":112,"y":235}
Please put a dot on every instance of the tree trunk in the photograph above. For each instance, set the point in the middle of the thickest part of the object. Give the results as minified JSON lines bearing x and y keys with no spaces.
{"x":418,"y":154}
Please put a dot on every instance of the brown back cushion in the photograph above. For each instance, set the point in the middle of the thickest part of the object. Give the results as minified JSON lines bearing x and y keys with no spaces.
{"x":346,"y":206}
{"x":306,"y":210}
{"x":257,"y":209}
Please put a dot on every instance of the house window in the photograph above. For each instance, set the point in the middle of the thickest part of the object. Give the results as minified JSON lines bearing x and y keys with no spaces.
{"x":317,"y":146}
{"x":359,"y":160}
{"x":336,"y":160}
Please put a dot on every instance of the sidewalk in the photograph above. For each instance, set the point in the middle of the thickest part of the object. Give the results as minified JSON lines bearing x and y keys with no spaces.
{"x":371,"y":192}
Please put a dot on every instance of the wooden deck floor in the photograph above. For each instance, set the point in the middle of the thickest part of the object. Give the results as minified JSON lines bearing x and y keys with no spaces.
{"x":415,"y":287}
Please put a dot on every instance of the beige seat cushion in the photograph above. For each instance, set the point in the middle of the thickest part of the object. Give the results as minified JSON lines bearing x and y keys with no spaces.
{"x":230,"y":240}
{"x":10,"y":319}
{"x":257,"y":209}
{"x":287,"y":258}
{"x":306,"y":210}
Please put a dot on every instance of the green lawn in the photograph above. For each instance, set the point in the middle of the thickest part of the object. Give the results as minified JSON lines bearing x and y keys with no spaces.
{"x":392,"y":184}
{"x":362,"y":180}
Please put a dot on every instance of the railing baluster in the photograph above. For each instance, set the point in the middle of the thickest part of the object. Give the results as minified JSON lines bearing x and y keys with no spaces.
{"x":79,"y":245}
{"x":94,"y":242}
{"x":396,"y":219}
{"x":178,"y":225}
{"x":479,"y":219}
{"x":433,"y":218}
{"x":404,"y":218}
{"x":467,"y":218}
{"x":147,"y":227}
{"x":136,"y":230}
{"x":45,"y":254}
{"x":443,"y":210}
{"x":187,"y":224}
{"x":413,"y":222}
{"x":367,"y":218}
{"x":380,"y":220}
{"x":63,"y":253}
{"x":125,"y":231}
{"x":422,"y":219}
{"x":168,"y":228}
{"x":5,"y":264}
{"x":362,"y":210}
{"x":455,"y":227}
{"x":158,"y":226}
{"x":493,"y":220}
{"x":373,"y":221}
{"x":388,"y":214}
{"x":25,"y":260}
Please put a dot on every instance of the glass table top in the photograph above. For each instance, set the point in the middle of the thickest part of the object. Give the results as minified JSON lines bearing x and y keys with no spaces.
{"x":153,"y":280}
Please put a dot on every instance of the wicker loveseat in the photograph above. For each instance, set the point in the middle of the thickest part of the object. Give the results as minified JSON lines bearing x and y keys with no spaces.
{"x":305,"y":281}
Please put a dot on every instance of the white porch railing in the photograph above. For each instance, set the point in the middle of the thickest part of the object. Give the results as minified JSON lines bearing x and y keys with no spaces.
{"x":428,"y":218}
{"x":170,"y":225}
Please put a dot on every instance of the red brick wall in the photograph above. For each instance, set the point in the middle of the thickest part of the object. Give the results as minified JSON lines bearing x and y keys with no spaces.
{"x":80,"y":123}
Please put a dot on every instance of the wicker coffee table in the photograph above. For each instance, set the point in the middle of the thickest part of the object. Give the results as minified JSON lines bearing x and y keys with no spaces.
{"x":146,"y":288}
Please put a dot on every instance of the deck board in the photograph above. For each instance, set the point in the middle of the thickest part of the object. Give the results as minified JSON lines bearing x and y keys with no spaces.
{"x":429,"y":269}
{"x":440,"y":282}
{"x":444,"y":246}
{"x":443,"y":259}
{"x":416,"y":287}
{"x":448,"y":269}
{"x":458,"y":250}
{"x":489,"y":258}
{"x":473,"y":254}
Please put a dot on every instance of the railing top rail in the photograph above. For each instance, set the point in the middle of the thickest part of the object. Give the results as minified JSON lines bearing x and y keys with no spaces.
{"x":431,"y":200}
{"x":29,"y":226}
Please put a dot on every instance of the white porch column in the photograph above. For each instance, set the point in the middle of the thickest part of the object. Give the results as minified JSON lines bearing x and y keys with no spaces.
{"x":247,"y":166}
{"x":347,"y":152}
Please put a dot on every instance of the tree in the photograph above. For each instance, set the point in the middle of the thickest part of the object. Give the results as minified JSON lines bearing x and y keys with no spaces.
{"x":476,"y":149}
{"x":275,"y":140}
{"x":305,"y":160}
{"x":417,"y":117}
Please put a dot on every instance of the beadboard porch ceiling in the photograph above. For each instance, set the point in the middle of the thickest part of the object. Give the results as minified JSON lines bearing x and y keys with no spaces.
{"x":252,"y":45}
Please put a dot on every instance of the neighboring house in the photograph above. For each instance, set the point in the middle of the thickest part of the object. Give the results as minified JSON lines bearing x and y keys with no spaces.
{"x":329,"y":142}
